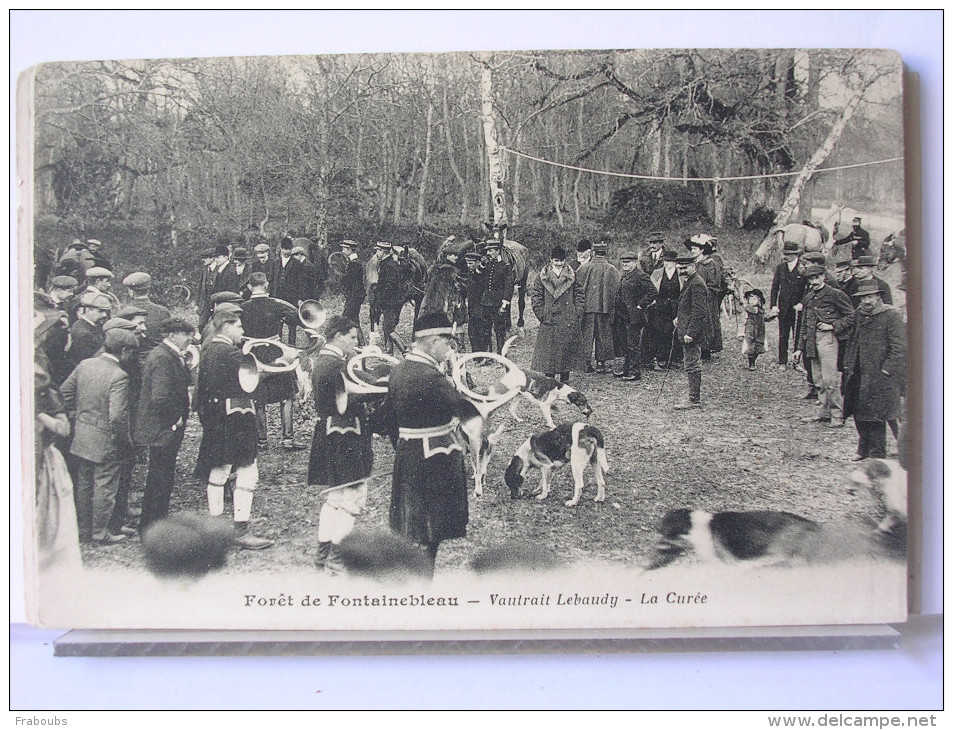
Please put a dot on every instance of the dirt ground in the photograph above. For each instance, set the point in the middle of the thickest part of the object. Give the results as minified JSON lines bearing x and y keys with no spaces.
{"x":745,"y":449}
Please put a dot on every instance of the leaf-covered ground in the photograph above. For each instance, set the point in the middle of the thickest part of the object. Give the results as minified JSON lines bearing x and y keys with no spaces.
{"x":746,"y":449}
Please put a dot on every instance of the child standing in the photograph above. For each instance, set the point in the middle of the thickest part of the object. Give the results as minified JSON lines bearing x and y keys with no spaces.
{"x":754,"y":326}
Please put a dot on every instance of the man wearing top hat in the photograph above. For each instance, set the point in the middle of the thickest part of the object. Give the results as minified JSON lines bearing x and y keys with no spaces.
{"x":827,"y":320}
{"x":693,"y":326}
{"x":352,"y":287}
{"x":421,"y":414}
{"x":96,"y":396}
{"x":284,"y":282}
{"x":858,"y":239}
{"x":492,"y":284}
{"x":874,"y":370}
{"x":863,"y":270}
{"x":659,"y":341}
{"x":139,"y":284}
{"x":636,"y":294}
{"x":787,"y":290}
{"x":243,"y":270}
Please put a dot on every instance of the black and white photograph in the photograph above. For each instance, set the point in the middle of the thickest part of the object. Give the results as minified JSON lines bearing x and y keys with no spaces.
{"x":471,"y":341}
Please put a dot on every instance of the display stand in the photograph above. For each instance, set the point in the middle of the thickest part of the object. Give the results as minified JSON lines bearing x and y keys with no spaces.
{"x":106,"y":643}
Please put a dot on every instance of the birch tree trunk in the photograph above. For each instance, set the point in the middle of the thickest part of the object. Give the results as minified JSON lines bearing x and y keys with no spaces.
{"x":793,"y":197}
{"x":448,"y":138}
{"x":493,"y":153}
{"x":425,"y":172}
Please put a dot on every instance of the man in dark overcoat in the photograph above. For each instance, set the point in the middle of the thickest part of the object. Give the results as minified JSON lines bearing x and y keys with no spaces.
{"x":341,"y":449}
{"x":310,"y":284}
{"x":599,"y":282}
{"x":663,"y":346}
{"x":284,"y":282}
{"x":712,"y":272}
{"x":388,"y":292}
{"x":826,"y":322}
{"x":139,"y":284}
{"x":787,"y":290}
{"x":874,"y":370}
{"x":162,"y":412}
{"x":262,"y":318}
{"x":858,"y":239}
{"x":636,"y":293}
{"x":693,"y":326}
{"x":229,"y":441}
{"x":863,"y":270}
{"x":86,"y":334}
{"x":421,"y":415}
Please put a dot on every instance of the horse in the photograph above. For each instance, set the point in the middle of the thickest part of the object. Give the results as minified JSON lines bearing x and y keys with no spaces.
{"x":445,"y":292}
{"x":810,"y":235}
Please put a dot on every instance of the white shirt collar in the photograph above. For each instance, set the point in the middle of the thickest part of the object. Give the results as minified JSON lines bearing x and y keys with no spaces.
{"x":792,"y":265}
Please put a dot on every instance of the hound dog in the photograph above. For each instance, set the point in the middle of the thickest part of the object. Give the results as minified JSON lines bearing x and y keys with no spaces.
{"x":577,"y":444}
{"x":887,"y":480}
{"x":755,"y":539}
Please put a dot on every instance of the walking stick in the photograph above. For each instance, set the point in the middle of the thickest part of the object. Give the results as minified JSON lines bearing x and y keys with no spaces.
{"x":668,"y":366}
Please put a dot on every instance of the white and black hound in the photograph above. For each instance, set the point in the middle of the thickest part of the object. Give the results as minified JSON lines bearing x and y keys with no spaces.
{"x":577,"y":444}
{"x":755,"y":539}
{"x":887,"y":480}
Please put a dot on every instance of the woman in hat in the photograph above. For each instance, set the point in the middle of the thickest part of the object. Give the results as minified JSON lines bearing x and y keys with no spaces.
{"x":556,"y":299}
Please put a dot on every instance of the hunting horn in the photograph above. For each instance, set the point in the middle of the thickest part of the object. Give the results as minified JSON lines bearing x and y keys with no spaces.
{"x":514,"y":380}
{"x":359,"y":380}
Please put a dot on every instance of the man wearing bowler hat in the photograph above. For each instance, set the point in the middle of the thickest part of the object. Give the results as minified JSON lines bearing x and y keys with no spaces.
{"x":863,"y":270}
{"x":636,"y":294}
{"x":874,"y":370}
{"x":693,"y":326}
{"x":827,"y":320}
{"x":787,"y":290}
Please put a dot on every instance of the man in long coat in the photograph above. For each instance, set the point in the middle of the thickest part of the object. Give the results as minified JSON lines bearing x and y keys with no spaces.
{"x":556,"y":299}
{"x":599,"y":282}
{"x":827,"y":320}
{"x":636,"y":293}
{"x":874,"y":371}
{"x":787,"y":290}
{"x":284,"y":281}
{"x":693,"y":327}
{"x":712,"y":272}
{"x":421,"y":415}
{"x":139,"y":284}
{"x":388,"y":293}
{"x":663,"y":346}
{"x":352,"y":287}
{"x":163,"y":410}
{"x":342,"y":454}
{"x":229,"y":439}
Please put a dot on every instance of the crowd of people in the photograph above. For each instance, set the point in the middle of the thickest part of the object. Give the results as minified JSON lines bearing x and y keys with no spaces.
{"x":115,"y":380}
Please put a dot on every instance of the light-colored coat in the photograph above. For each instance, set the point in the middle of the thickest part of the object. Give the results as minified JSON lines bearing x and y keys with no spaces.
{"x":599,"y":282}
{"x":557,"y":303}
{"x":96,"y":395}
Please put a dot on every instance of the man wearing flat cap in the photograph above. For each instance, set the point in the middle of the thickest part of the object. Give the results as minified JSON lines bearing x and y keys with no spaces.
{"x":139,"y":284}
{"x":875,"y":371}
{"x":86,"y":334}
{"x":421,"y":414}
{"x":95,"y":246}
{"x":96,"y":396}
{"x":827,"y":320}
{"x":98,"y":281}
{"x":636,"y":294}
{"x":262,"y":262}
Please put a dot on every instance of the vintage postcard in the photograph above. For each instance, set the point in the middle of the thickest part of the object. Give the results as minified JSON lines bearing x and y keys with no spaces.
{"x":584,"y":340}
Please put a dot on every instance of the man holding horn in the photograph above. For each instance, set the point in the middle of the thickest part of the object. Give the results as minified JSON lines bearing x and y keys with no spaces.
{"x":341,"y":451}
